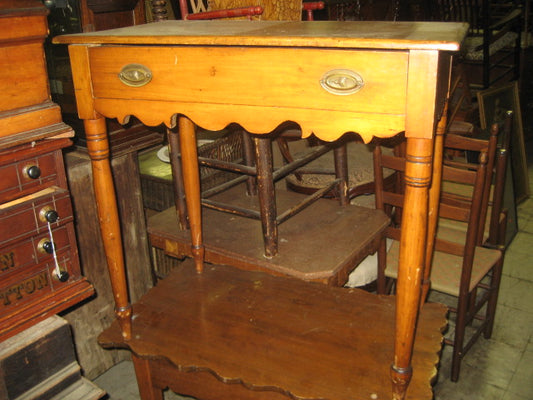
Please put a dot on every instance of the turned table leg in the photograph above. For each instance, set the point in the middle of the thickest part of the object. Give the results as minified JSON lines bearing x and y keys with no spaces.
{"x":104,"y":190}
{"x":420,"y":150}
{"x":412,"y":258}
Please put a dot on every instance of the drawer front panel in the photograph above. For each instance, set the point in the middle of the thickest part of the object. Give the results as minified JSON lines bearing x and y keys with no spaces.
{"x":33,"y":251}
{"x":29,"y":174}
{"x":25,"y":218}
{"x":36,"y":282}
{"x":292,"y":78}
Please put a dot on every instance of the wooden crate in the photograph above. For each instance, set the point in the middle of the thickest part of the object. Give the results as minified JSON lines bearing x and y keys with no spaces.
{"x":40,"y":363}
{"x":88,"y":321}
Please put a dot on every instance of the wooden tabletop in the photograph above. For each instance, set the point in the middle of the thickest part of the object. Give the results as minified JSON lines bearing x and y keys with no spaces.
{"x":347,"y":34}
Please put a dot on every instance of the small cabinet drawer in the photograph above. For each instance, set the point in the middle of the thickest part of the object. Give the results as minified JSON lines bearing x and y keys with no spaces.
{"x":29,"y":174}
{"x":34,"y":250}
{"x":30,"y":215}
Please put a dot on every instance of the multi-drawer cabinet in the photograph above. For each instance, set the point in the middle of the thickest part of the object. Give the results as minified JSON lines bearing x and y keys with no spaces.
{"x":39,"y":266}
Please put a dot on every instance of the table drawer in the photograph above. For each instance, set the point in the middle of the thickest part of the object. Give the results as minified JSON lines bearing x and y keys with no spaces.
{"x":34,"y":250}
{"x":26,"y":216}
{"x":36,"y":282}
{"x":291,"y":78}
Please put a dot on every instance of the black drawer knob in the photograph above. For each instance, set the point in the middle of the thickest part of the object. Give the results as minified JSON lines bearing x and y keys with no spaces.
{"x":51,"y":216}
{"x":62,"y":276}
{"x":33,"y":172}
{"x":48,"y":214}
{"x":46,"y":246}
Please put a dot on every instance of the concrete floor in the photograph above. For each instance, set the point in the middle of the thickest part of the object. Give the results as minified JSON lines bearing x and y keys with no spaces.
{"x":500,"y":368}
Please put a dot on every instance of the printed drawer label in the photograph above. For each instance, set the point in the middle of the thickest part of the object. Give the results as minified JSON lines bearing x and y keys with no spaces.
{"x":26,"y":289}
{"x":34,"y":282}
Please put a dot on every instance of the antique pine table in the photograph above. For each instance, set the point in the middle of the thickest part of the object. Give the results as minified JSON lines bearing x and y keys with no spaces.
{"x":373,"y":78}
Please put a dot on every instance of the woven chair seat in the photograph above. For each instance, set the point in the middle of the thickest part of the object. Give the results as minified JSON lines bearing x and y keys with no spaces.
{"x":446,"y":268}
{"x":360,"y":171}
{"x":472,"y":47}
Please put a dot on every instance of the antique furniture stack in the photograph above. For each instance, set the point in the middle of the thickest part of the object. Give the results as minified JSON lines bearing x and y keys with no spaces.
{"x":217,"y":332}
{"x":40,"y":273}
{"x":39,"y":270}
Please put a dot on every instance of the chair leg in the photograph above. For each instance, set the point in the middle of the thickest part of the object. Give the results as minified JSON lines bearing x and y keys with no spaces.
{"x":283,"y":146}
{"x":144,"y":380}
{"x":382,"y":262}
{"x":472,"y":302}
{"x":459,"y":337}
{"x":249,"y":160}
{"x":340,"y":154}
{"x":493,"y":299}
{"x":179,"y":191}
{"x":266,"y":193}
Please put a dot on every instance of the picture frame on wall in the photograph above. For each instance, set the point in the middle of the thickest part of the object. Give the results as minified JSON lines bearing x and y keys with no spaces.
{"x":493,"y":104}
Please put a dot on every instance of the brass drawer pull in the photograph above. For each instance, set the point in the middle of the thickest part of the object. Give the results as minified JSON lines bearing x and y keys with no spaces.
{"x":342,"y":81}
{"x":135,"y":75}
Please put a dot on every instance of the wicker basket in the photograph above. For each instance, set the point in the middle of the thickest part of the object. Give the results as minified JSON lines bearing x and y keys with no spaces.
{"x":162,"y":263}
{"x":156,"y":175}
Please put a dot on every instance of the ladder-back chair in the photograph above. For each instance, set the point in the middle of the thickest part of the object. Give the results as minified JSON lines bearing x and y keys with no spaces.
{"x":493,"y":42}
{"x":493,"y":213}
{"x":466,"y":270}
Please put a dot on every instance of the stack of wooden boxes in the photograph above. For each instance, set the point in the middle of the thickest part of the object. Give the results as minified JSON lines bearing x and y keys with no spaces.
{"x":39,"y":268}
